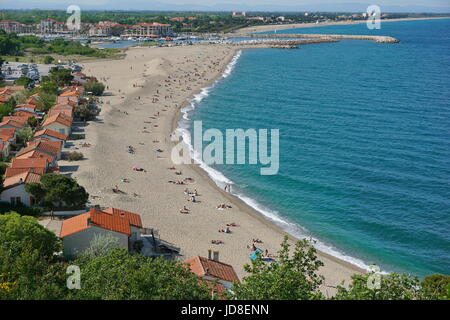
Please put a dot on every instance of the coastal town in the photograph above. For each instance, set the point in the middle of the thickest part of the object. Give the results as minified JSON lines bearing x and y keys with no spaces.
{"x":86,"y":149}
{"x":51,"y":135}
{"x":170,"y":26}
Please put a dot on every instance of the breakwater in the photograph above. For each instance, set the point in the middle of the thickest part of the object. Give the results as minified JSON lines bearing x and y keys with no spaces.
{"x":278,"y":43}
{"x":379,"y":39}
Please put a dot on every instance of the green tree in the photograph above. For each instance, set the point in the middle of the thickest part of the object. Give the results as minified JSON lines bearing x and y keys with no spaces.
{"x":23,"y":81}
{"x":436,"y":286}
{"x":55,"y":189}
{"x":291,"y":277}
{"x":392,"y":286}
{"x":24,"y":135}
{"x":48,"y":59}
{"x":21,"y":95}
{"x":46,"y":101}
{"x":26,"y":254}
{"x":97,"y":88}
{"x":5,"y":110}
{"x":83,"y":112}
{"x":119,"y":275}
{"x":33,"y":122}
{"x":11,"y":102}
{"x":47,"y":86}
{"x":10,"y":44}
{"x":62,"y":77}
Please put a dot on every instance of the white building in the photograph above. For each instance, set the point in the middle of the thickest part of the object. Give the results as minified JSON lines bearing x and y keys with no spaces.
{"x":14,"y":189}
{"x":78,"y":232}
{"x":149,"y":30}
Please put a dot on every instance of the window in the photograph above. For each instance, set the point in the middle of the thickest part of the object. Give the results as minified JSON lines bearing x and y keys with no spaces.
{"x":16,"y":200}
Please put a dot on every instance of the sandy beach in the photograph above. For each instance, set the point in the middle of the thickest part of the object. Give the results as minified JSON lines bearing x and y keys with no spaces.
{"x":141,"y":108}
{"x":266,"y":28}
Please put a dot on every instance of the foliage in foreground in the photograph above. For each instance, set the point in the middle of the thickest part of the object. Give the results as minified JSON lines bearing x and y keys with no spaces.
{"x":293,"y":276}
{"x":119,"y":275}
{"x":30,"y":270}
{"x":436,"y":287}
{"x":392,"y":286}
{"x":20,"y":209}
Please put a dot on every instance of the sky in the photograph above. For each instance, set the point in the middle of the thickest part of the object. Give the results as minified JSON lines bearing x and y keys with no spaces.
{"x":229,"y":5}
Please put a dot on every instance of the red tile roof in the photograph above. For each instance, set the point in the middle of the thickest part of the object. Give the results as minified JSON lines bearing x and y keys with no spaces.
{"x":33,"y":154}
{"x":133,"y":218}
{"x":26,"y":105}
{"x":68,"y":103}
{"x":3,"y":97}
{"x":110,"y":222}
{"x":15,"y":118}
{"x":60,"y":118}
{"x":50,"y":147}
{"x":50,"y":133}
{"x":7,"y":134}
{"x":13,"y":123}
{"x":71,"y":93}
{"x":24,"y":113}
{"x":29,"y":163}
{"x":10,"y":172}
{"x":67,"y":112}
{"x":12,"y":88}
{"x":98,"y":219}
{"x":74,"y":225}
{"x":34,"y":100}
{"x":25,"y":177}
{"x":153,"y":24}
{"x":205,"y":267}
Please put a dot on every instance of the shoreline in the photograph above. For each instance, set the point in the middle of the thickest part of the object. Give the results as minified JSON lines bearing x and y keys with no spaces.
{"x":267,"y":28}
{"x":237,"y":200}
{"x":158,"y":202}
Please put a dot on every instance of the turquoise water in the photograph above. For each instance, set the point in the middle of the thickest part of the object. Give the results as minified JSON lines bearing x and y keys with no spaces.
{"x":364,"y":141}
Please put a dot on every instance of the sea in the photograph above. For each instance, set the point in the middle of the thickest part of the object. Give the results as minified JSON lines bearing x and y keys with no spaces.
{"x":364,"y":141}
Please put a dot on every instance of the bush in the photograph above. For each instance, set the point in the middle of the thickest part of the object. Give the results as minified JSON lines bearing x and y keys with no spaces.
{"x":24,"y":135}
{"x":74,"y":156}
{"x":58,"y":191}
{"x":20,"y":209}
{"x":5,"y":109}
{"x":48,"y":59}
{"x":23,"y":81}
{"x":95,"y":87}
{"x":436,"y":286}
{"x":3,"y":166}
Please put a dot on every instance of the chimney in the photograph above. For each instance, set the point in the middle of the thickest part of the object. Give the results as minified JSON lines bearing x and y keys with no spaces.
{"x":216,"y":256}
{"x":209,"y":254}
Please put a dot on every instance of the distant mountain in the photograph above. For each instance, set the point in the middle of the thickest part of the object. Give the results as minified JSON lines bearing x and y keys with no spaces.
{"x":160,"y":6}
